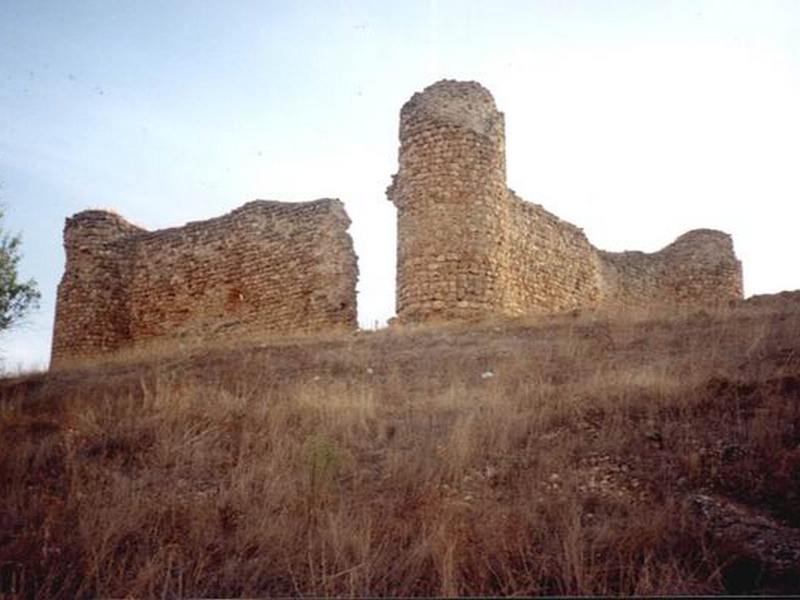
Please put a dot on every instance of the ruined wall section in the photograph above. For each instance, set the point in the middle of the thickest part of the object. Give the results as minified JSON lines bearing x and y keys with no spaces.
{"x":552,"y":266}
{"x":466,"y":245}
{"x":449,"y":192}
{"x":469,"y":247}
{"x":699,"y":268}
{"x":92,"y":304}
{"x":265,"y":268}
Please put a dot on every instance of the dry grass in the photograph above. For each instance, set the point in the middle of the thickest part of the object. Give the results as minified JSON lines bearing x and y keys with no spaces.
{"x":392,"y":463}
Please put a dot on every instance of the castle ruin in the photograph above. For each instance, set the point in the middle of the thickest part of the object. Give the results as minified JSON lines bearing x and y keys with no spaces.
{"x":468,"y":247}
{"x":265,"y":268}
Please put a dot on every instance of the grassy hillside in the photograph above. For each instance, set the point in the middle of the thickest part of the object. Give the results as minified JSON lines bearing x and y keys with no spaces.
{"x":580,"y":454}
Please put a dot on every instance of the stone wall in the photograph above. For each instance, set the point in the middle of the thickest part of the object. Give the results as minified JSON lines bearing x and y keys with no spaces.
{"x":266,"y":268}
{"x":699,"y":268}
{"x":467,"y":246}
{"x":551,"y":265}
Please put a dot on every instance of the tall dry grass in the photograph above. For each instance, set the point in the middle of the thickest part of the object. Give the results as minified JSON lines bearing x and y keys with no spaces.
{"x":509,"y":458}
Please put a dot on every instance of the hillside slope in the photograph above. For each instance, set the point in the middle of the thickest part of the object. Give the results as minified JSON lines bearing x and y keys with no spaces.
{"x":580,"y":454}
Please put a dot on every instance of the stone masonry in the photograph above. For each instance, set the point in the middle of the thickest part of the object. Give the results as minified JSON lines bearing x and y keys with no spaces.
{"x":265,"y":268}
{"x":468,"y":247}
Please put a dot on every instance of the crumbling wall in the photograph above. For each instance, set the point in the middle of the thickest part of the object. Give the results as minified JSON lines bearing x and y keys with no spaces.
{"x":551,"y":267}
{"x":92,"y":303}
{"x":265,"y":268}
{"x":699,"y":268}
{"x":467,"y":246}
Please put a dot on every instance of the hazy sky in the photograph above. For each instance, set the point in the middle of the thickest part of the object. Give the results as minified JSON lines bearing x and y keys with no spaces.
{"x":635,"y":120}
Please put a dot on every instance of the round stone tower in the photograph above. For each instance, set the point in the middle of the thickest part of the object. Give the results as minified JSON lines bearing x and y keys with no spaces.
{"x":451,"y":198}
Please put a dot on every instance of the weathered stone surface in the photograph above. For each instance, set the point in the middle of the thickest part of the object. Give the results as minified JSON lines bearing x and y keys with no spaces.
{"x":467,"y":246}
{"x":265,"y":268}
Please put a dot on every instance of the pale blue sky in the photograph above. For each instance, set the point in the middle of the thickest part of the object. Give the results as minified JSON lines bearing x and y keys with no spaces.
{"x":635,"y":120}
